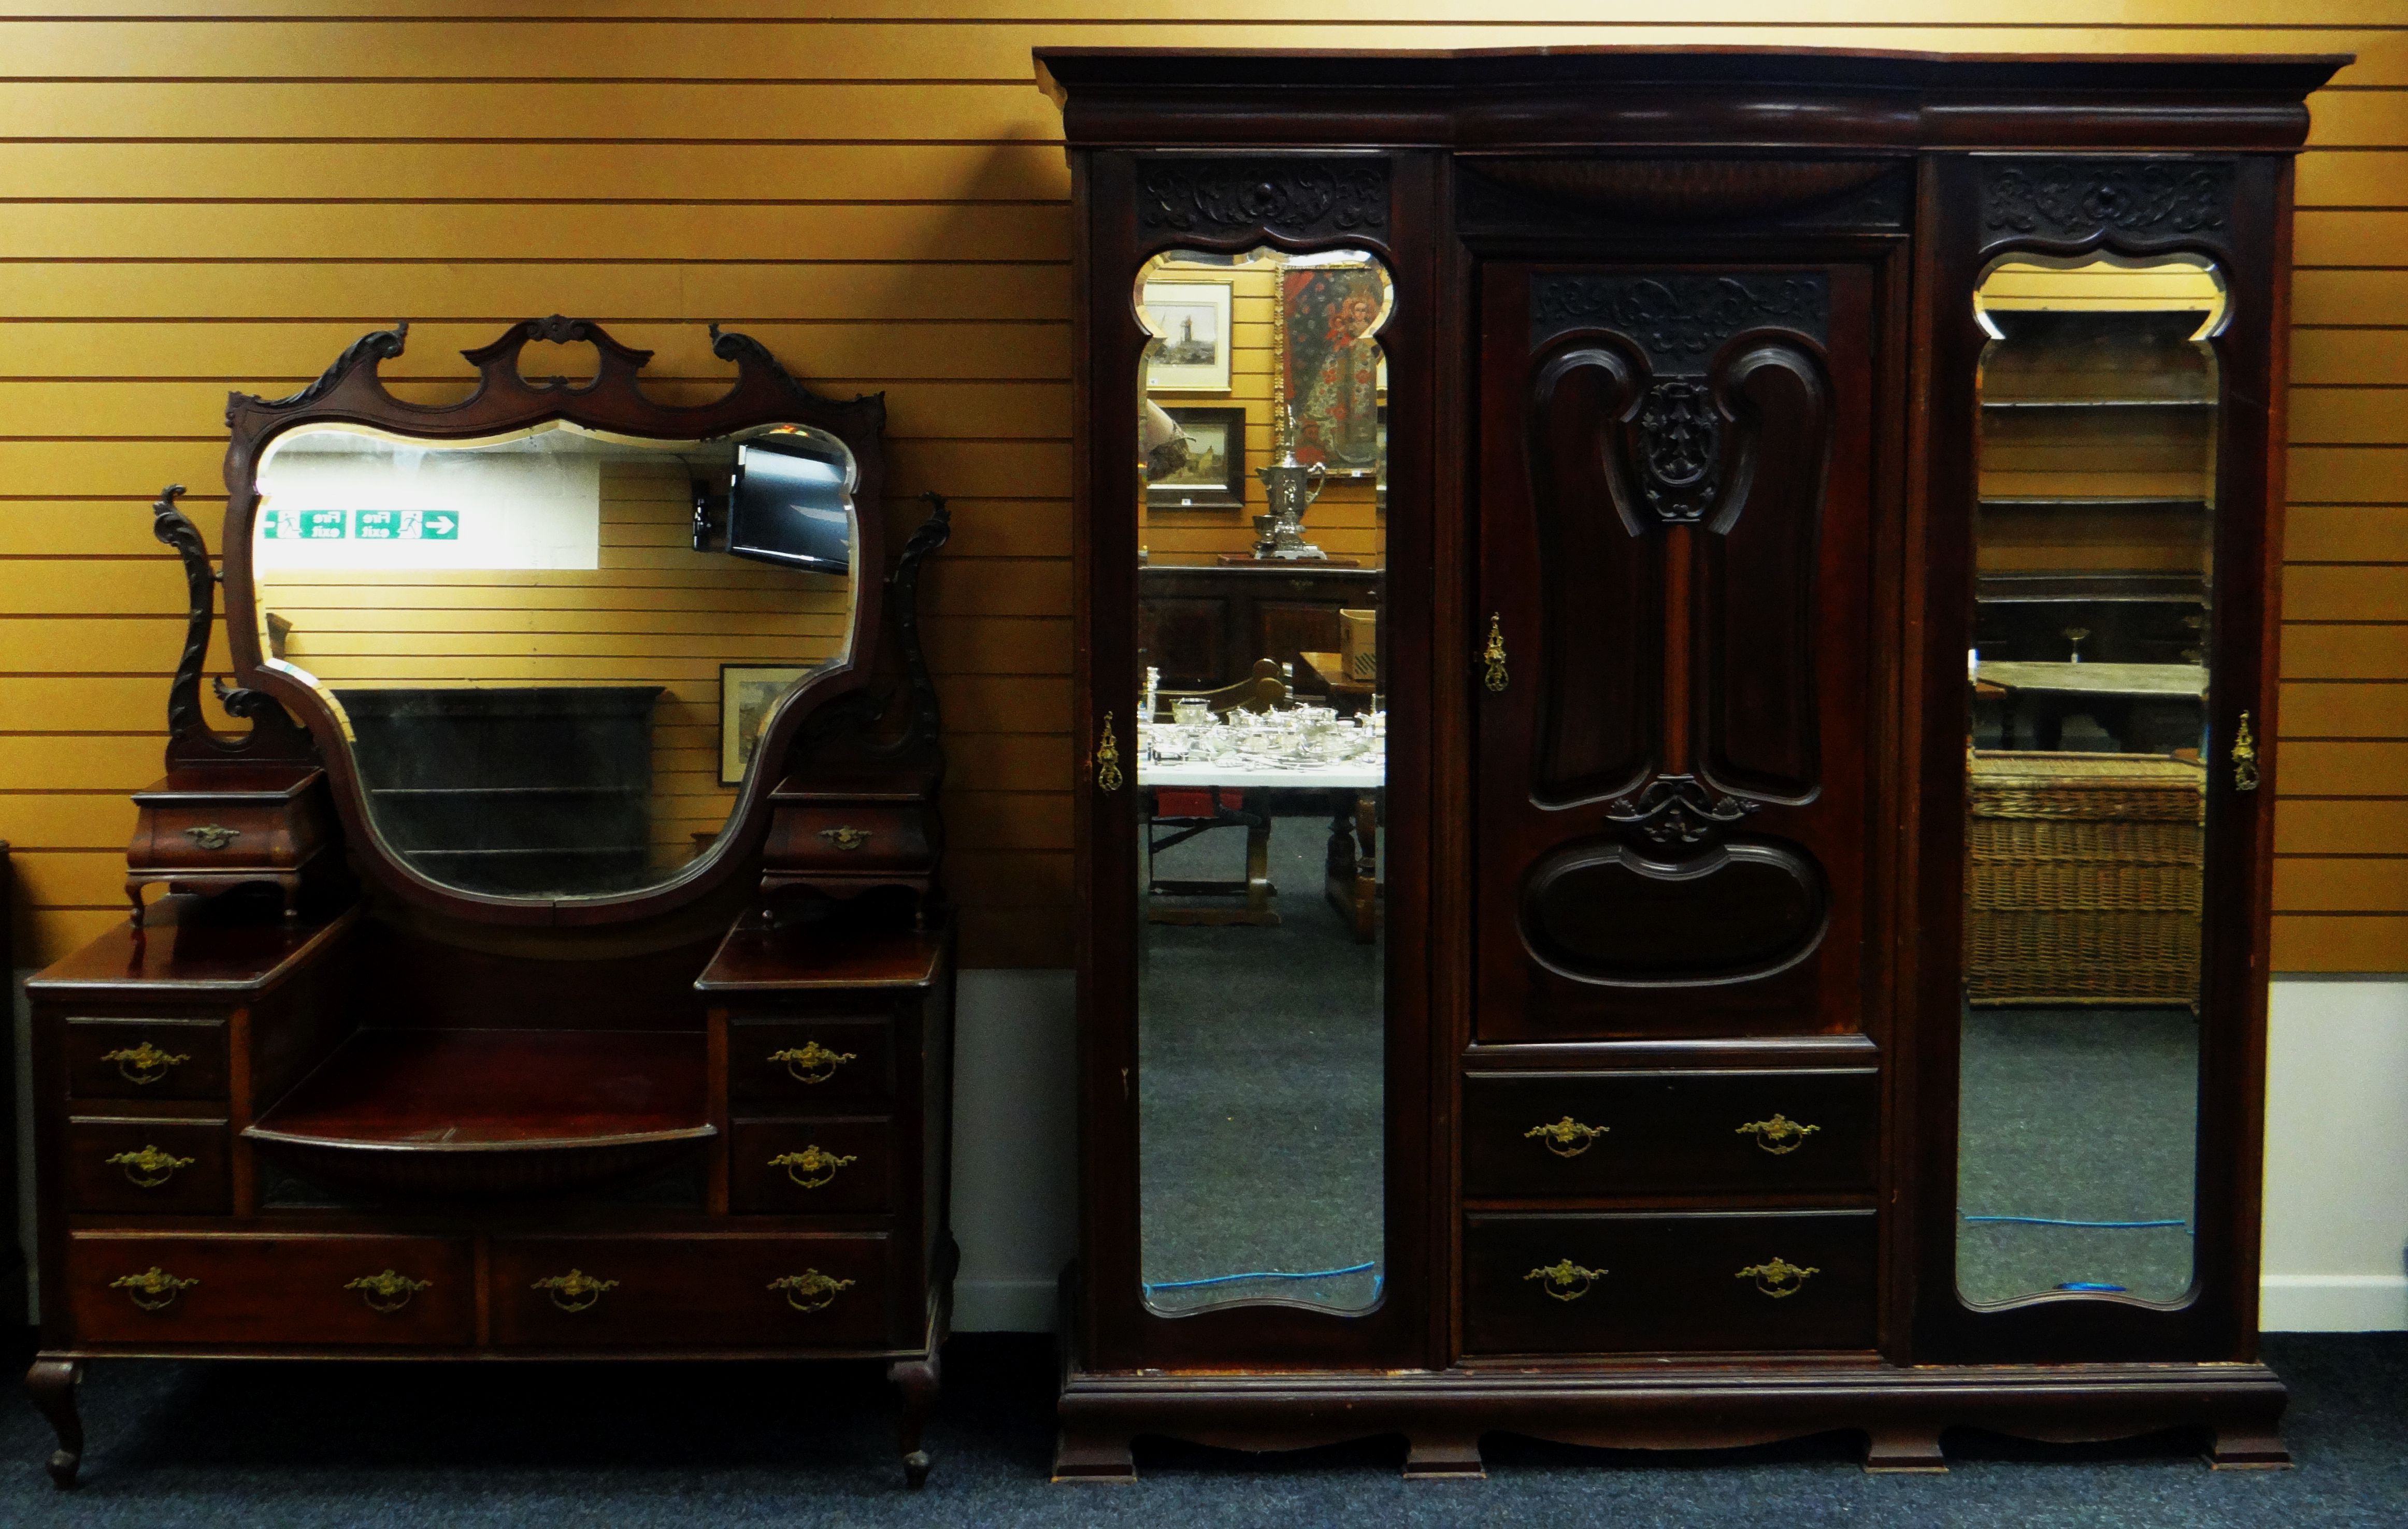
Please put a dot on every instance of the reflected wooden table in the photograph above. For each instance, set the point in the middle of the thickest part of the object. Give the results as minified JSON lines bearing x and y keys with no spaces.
{"x":1210,"y":794}
{"x":2054,"y":689}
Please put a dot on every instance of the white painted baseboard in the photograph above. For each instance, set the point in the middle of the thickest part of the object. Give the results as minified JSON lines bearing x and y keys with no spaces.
{"x":2332,"y":1302}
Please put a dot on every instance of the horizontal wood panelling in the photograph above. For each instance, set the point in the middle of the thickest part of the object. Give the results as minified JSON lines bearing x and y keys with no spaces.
{"x":884,"y":205}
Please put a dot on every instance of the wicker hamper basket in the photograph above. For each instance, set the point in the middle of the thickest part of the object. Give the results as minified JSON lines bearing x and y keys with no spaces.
{"x":2083,"y":880}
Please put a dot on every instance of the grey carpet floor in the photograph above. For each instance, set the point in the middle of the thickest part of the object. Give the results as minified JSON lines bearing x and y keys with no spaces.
{"x":267,"y":1446}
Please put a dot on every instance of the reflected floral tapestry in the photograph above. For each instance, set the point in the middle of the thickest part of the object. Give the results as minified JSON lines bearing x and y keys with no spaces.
{"x":1333,"y":364}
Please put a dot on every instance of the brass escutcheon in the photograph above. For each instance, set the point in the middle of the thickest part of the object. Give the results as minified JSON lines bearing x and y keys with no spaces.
{"x":1493,"y":656}
{"x":1108,"y":759}
{"x":155,"y":1289}
{"x":811,"y":1167}
{"x":1779,"y":1135}
{"x":2244,"y":757}
{"x":144,"y":1064}
{"x":210,"y":835}
{"x":575,"y":1291}
{"x":388,"y":1291}
{"x":813,"y":1063}
{"x":150,"y":1168}
{"x":845,"y":837}
{"x":810,"y":1291}
{"x":1567,"y":1137}
{"x":1778,"y":1278}
{"x":1566,"y":1280}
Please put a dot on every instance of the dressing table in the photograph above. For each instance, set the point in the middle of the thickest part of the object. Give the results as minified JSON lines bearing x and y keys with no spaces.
{"x":479,"y":1020}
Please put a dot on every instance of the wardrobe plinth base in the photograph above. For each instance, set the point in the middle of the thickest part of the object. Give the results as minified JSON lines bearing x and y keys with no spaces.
{"x":1902,"y":1413}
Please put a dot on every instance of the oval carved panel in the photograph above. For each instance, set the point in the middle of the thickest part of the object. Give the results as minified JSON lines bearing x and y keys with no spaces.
{"x":1599,"y":910}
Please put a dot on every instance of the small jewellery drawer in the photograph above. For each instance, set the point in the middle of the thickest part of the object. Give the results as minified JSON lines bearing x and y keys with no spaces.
{"x":1536,"y":1135}
{"x":852,"y":836}
{"x":1687,"y":1282}
{"x":131,"y":1288}
{"x":148,"y":1166}
{"x":832,"y":1290}
{"x":809,"y":1064}
{"x":804,"y":1167}
{"x":145,"y":1059}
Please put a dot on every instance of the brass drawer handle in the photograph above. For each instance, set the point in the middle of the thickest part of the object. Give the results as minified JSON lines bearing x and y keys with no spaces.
{"x":1779,"y":1135}
{"x":155,"y":1289}
{"x":576,"y":1291}
{"x":813,"y":1063}
{"x":146,"y":1063}
{"x":846,"y":837}
{"x":2244,"y":757}
{"x":1778,"y":1279}
{"x":810,"y":1291}
{"x":1567,"y":1137}
{"x":811,"y":1167}
{"x":210,"y":835}
{"x":1566,"y":1280}
{"x":1493,"y":656}
{"x":150,"y":1168}
{"x":1108,"y":759}
{"x":389,"y":1292}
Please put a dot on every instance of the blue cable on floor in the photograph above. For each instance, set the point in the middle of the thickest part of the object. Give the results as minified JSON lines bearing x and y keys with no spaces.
{"x":1152,"y":1285}
{"x":2053,"y":1221}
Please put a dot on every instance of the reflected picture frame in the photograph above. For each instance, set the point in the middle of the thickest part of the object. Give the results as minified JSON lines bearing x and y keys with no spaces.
{"x":748,"y":695}
{"x":1214,"y":476}
{"x":1189,"y":319}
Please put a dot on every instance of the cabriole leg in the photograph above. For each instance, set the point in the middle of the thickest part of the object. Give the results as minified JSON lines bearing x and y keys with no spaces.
{"x":917,"y":1380}
{"x":51,"y":1384}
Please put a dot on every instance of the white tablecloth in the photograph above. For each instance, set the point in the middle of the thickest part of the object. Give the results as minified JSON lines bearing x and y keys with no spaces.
{"x":1351,"y":776}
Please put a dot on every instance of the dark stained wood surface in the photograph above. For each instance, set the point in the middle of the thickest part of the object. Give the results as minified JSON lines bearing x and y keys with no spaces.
{"x":822,"y":958}
{"x":269,"y":1289}
{"x":186,"y":1057}
{"x":191,"y":947}
{"x":191,"y":1177}
{"x":696,"y":1291}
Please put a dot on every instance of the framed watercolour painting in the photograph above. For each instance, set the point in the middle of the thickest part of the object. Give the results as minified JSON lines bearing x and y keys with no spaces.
{"x":1190,"y":322}
{"x":748,"y":693}
{"x":1214,"y":474}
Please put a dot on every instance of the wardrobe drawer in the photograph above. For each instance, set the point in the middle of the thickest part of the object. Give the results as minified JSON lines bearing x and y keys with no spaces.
{"x":242,"y":1288}
{"x":710,"y":1291}
{"x":1772,"y":1280}
{"x":1528,"y":1135}
{"x":811,"y":1063}
{"x":148,"y":1167}
{"x":146,"y":1058}
{"x":804,"y":1167}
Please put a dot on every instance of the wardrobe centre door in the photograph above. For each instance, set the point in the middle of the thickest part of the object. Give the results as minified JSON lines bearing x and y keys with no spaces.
{"x":1674,"y":695}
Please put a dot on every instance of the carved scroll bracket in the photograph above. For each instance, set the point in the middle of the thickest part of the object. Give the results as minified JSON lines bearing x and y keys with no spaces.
{"x":273,"y":737}
{"x":1678,"y":809}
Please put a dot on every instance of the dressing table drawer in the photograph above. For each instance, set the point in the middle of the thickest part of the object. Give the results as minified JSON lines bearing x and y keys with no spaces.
{"x":1538,"y":1134}
{"x":148,"y":1167}
{"x":173,"y":1291}
{"x":154,"y":1058}
{"x":807,"y":1167}
{"x":1696,"y":1282}
{"x":832,"y":1290}
{"x":792,"y":1063}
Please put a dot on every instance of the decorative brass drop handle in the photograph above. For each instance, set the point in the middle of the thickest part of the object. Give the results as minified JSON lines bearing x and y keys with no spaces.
{"x":1566,"y":1280}
{"x":811,"y":1167}
{"x":2244,"y":757}
{"x":1494,"y":654}
{"x":813,"y":1063}
{"x":389,"y":1292}
{"x":845,"y":837}
{"x":1567,"y":1137}
{"x":1778,"y":1279}
{"x":210,"y":835}
{"x":155,"y":1289}
{"x":1779,"y":1135}
{"x":810,"y":1291}
{"x":1108,"y":759}
{"x":146,"y":1063}
{"x":150,"y":1168}
{"x":576,"y":1291}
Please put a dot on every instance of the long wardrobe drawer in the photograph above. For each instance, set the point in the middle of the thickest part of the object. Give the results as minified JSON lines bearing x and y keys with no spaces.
{"x":797,"y":1063}
{"x":804,"y":1167}
{"x":241,"y":1289}
{"x":1531,"y":1134}
{"x":148,"y":1167}
{"x":1771,"y":1281}
{"x":113,"y":1058}
{"x":831,"y":1290}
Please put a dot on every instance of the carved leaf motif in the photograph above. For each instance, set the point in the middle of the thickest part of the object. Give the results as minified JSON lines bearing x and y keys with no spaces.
{"x":1299,"y":197}
{"x":2076,"y":198}
{"x":1679,"y":448}
{"x":1681,"y":320}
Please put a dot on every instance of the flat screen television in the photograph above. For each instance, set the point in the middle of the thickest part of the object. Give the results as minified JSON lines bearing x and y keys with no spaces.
{"x":787,"y":504}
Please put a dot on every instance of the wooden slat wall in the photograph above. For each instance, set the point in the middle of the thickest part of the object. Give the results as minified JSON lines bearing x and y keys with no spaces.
{"x":197,"y":194}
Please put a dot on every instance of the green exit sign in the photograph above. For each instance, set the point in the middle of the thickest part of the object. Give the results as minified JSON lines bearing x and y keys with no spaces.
{"x":360,"y":526}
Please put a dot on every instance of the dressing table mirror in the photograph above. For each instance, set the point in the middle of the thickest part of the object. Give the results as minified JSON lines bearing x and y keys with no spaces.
{"x":555,"y":967}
